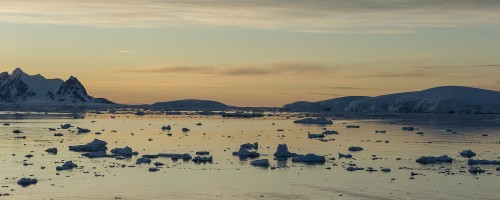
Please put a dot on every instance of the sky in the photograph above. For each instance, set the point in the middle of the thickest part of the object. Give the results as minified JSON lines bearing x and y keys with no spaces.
{"x":253,"y":53}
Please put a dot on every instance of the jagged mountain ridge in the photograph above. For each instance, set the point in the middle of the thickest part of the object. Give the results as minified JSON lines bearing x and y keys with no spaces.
{"x":445,"y":99}
{"x":19,"y":87}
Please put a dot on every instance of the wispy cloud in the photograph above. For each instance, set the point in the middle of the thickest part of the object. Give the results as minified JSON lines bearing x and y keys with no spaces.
{"x":121,"y":51}
{"x":367,"y":16}
{"x":280,"y":68}
{"x":178,"y":69}
{"x":488,"y":66}
{"x":408,"y":74}
{"x":347,"y":88}
{"x":246,"y":70}
{"x":324,"y":94}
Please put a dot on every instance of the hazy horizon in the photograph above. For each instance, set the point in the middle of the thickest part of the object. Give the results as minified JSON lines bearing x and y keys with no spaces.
{"x":253,"y":53}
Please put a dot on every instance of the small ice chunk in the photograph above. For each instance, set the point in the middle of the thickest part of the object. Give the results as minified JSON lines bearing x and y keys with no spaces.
{"x":312,"y":135}
{"x":483,"y":162}
{"x":202,"y":159}
{"x":330,"y":132}
{"x":67,"y":166}
{"x":66,"y":126}
{"x":341,"y":155}
{"x":125,"y":152}
{"x":143,"y":160}
{"x":260,"y":163}
{"x":310,"y":158}
{"x":476,"y":170}
{"x":26,"y":182}
{"x":282,"y":152}
{"x":153,"y":169}
{"x":408,"y":128}
{"x":354,"y":148}
{"x":94,"y":146}
{"x":82,"y":130}
{"x":434,"y":159}
{"x":51,"y":150}
{"x":468,"y":153}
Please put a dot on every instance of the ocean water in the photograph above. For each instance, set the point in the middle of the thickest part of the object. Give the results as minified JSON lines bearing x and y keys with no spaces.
{"x":228,"y":177}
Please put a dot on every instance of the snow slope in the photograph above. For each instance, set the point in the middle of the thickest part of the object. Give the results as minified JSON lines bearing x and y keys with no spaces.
{"x":22,"y":88}
{"x":445,"y":99}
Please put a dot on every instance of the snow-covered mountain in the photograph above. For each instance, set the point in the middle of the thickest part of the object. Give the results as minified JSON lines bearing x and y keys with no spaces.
{"x":446,"y":99}
{"x":21,"y":88}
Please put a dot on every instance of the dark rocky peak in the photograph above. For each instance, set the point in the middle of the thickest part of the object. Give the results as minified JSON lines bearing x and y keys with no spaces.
{"x":18,"y":72}
{"x":73,"y":90}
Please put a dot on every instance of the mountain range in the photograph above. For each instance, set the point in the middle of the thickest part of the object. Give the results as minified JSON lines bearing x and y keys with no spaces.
{"x":20,"y":88}
{"x":445,"y":99}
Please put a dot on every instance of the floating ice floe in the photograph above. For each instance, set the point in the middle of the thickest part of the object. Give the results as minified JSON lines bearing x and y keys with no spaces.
{"x":94,"y":146}
{"x":202,"y":153}
{"x":483,"y":162}
{"x":125,"y":152}
{"x":434,"y":159}
{"x":202,"y":159}
{"x":312,"y":135}
{"x":51,"y":150}
{"x":27,"y":182}
{"x":408,"y":128}
{"x":174,"y":156}
{"x":282,"y":152}
{"x":97,"y":154}
{"x":67,"y":166}
{"x":66,"y":126}
{"x":251,"y":146}
{"x":468,"y":153}
{"x":341,"y":155}
{"x":150,"y":156}
{"x":260,"y":163}
{"x":476,"y":170}
{"x":321,"y":120}
{"x":354,"y":148}
{"x":241,"y":114}
{"x":143,"y":160}
{"x":330,"y":132}
{"x":310,"y":158}
{"x":354,"y":168}
{"x":82,"y":130}
{"x":153,"y":169}
{"x":248,"y":150}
